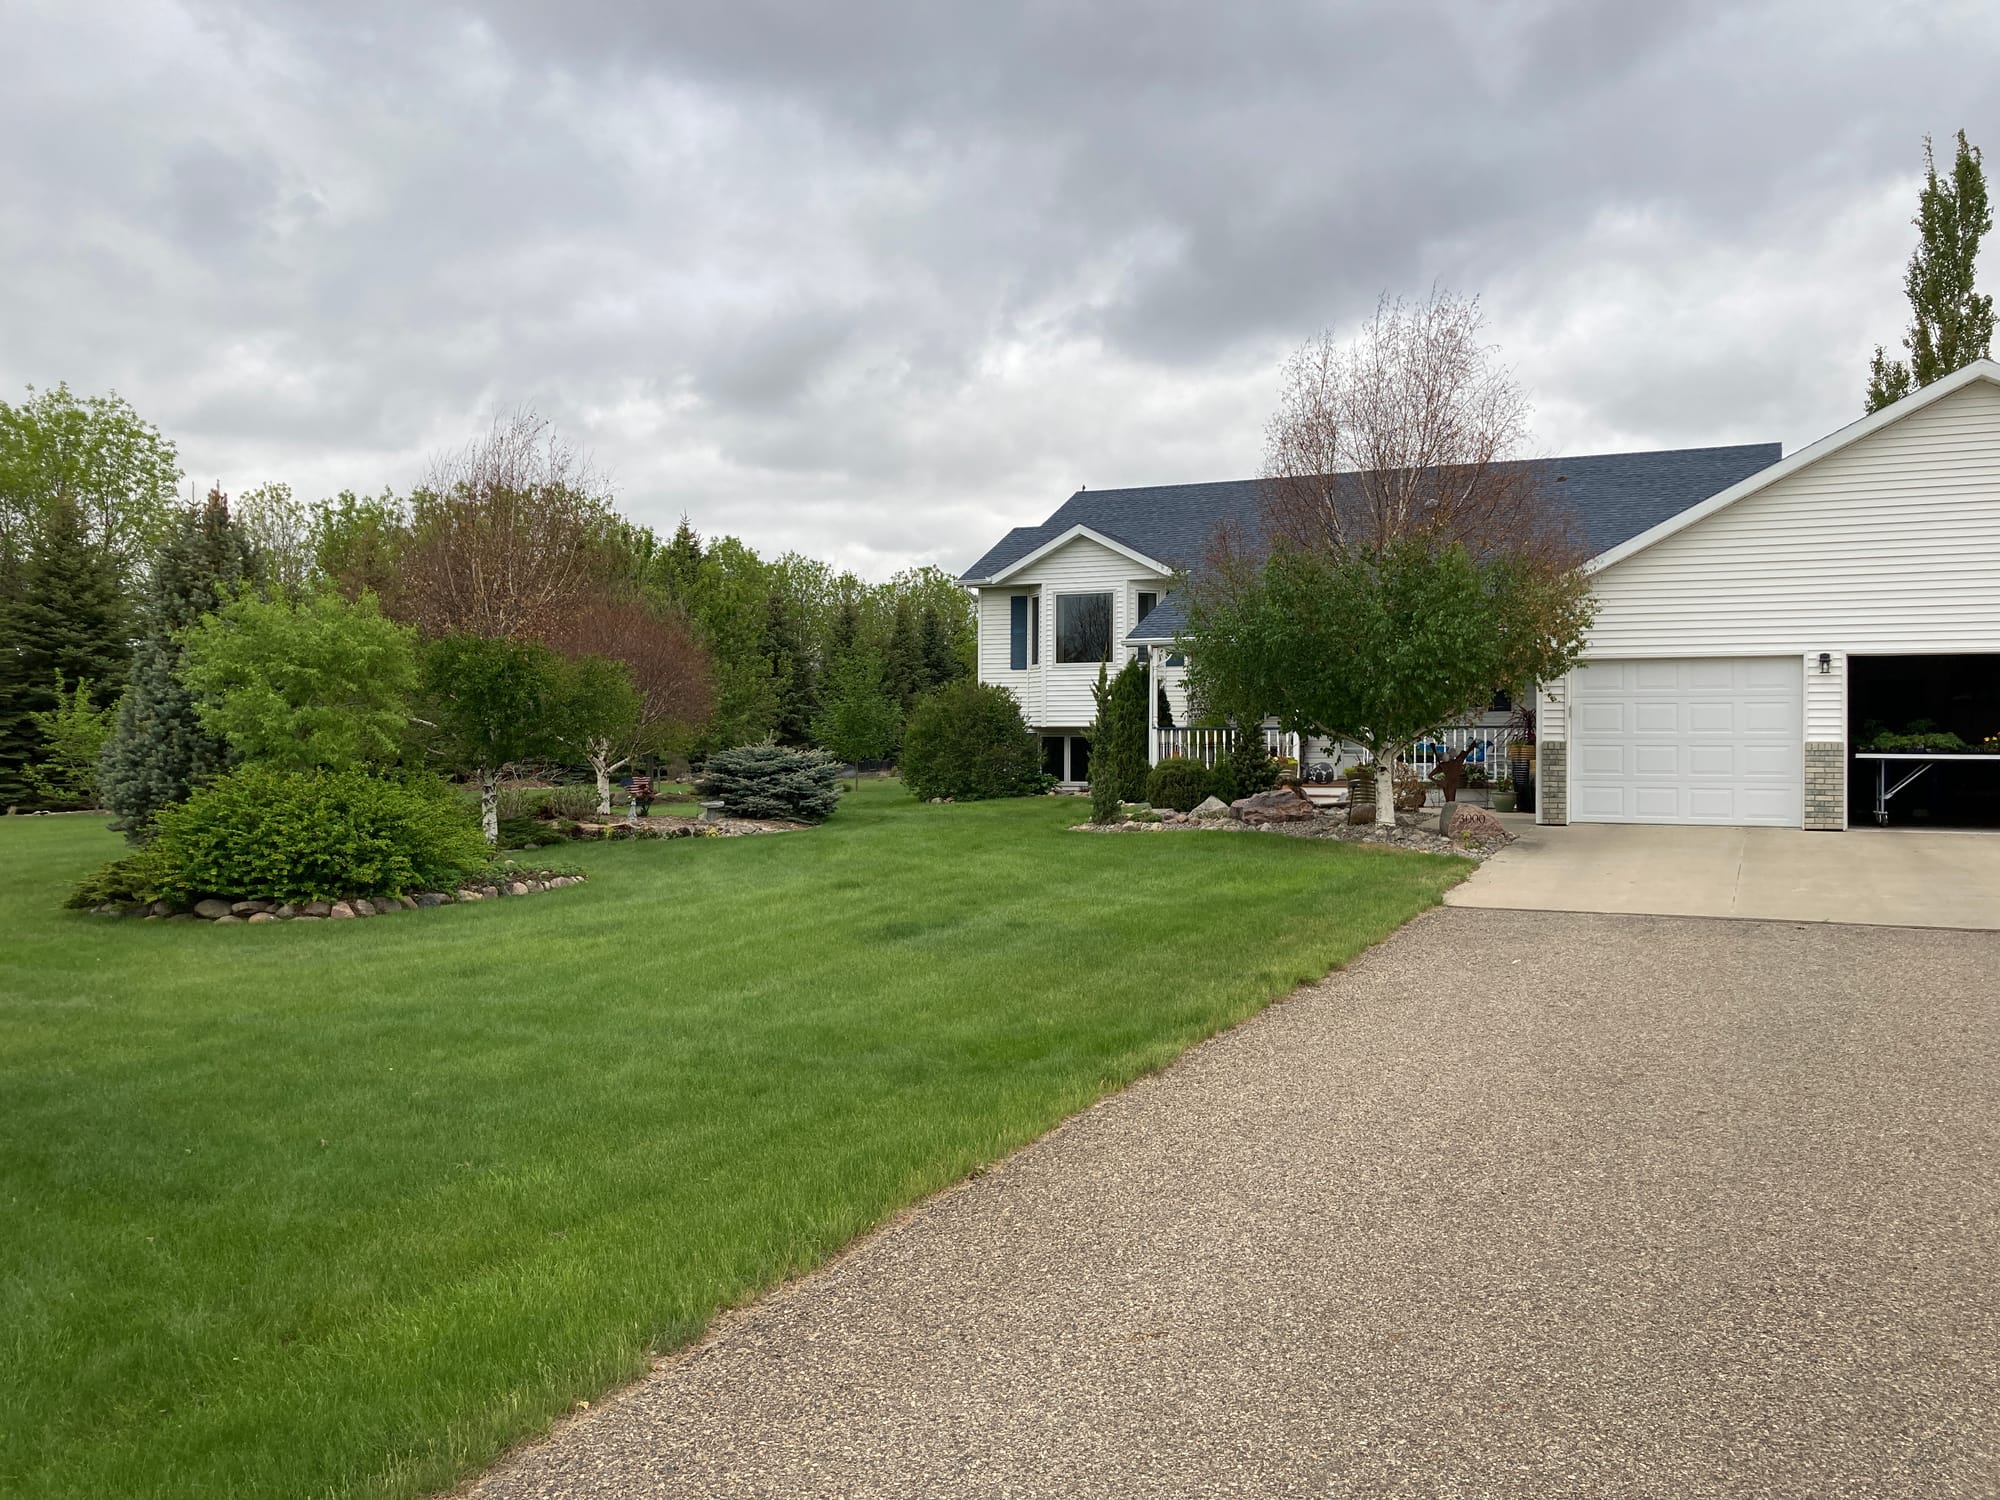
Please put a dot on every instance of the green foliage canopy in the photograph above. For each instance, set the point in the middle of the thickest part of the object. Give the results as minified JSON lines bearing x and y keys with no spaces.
{"x":318,"y":684}
{"x":857,"y":720}
{"x":94,"y":454}
{"x":1378,"y":648}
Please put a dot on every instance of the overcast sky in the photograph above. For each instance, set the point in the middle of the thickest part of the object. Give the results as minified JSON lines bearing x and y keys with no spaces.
{"x":878,"y":281}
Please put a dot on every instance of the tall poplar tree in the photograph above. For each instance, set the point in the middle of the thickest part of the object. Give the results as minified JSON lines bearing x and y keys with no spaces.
{"x":1951,"y":324}
{"x":159,"y":751}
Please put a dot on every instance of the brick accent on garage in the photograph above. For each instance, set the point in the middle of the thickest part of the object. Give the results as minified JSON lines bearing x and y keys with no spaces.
{"x":1826,"y":784}
{"x":1552,"y":781}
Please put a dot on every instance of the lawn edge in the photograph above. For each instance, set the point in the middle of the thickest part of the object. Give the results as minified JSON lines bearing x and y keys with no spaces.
{"x":726,"y":1320}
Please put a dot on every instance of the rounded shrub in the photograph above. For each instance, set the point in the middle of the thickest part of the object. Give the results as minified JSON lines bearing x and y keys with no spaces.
{"x":968,"y":741}
{"x":312,"y":836}
{"x":771,"y":781}
{"x":1179,"y":783}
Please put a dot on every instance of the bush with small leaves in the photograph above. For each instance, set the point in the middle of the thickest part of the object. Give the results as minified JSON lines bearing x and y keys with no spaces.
{"x":309,"y":836}
{"x":772,"y":781}
{"x":1179,"y":783}
{"x":968,"y":741}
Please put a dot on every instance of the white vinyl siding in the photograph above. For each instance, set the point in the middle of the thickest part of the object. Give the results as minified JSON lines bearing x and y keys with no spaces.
{"x":1890,"y":545}
{"x":996,"y":625}
{"x":1057,"y":695}
{"x":1826,"y":699}
{"x":1551,"y":709}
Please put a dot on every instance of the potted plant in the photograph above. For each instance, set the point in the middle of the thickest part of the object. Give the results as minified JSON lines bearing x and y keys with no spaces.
{"x":1521,"y":758}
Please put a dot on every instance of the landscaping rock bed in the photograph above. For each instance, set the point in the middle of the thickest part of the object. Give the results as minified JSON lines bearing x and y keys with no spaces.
{"x":683,"y":828}
{"x":523,"y":882}
{"x":1418,"y":831}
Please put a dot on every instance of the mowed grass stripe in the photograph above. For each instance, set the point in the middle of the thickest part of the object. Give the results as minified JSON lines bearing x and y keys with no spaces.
{"x":344,"y":1208}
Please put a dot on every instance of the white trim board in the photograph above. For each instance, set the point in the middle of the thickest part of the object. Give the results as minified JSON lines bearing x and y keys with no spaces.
{"x":1065,"y":539}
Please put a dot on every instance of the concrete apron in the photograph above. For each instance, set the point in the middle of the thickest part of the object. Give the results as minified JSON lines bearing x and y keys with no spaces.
{"x":1890,"y":878}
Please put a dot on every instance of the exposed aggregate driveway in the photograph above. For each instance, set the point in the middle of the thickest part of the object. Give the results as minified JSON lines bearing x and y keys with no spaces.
{"x":1519,"y":1204}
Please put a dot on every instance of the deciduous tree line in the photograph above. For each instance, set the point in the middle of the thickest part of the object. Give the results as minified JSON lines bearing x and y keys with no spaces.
{"x":146,"y":643}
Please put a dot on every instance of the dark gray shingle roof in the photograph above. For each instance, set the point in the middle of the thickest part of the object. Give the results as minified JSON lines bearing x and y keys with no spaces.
{"x":1614,"y":497}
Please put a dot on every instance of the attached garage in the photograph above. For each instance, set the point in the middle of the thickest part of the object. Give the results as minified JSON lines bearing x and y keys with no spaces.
{"x":1747,"y":648}
{"x":1689,"y":740}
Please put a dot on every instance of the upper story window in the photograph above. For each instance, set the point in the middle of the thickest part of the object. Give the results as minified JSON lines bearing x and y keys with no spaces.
{"x":1147,"y":602}
{"x":1017,"y":633}
{"x":1083,"y":627}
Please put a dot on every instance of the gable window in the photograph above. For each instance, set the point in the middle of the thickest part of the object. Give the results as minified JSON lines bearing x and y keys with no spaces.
{"x":1083,"y":627}
{"x":1147,"y":602}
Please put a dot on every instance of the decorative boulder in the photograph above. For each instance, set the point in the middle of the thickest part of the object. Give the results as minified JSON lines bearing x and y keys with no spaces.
{"x":362,"y":907}
{"x":1212,"y":807}
{"x":211,"y":909}
{"x":1359,"y":813}
{"x":261,"y":916}
{"x":1285,"y":805}
{"x":1464,"y":820}
{"x":341,"y":910}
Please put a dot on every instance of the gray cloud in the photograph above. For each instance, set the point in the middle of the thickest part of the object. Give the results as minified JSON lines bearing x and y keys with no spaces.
{"x":878,"y":280}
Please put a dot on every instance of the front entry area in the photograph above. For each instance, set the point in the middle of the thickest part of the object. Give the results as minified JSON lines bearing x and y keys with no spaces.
{"x":1715,"y":740}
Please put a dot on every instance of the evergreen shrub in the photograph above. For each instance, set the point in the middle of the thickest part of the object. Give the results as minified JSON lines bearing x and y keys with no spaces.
{"x":772,"y":781}
{"x":1179,"y":783}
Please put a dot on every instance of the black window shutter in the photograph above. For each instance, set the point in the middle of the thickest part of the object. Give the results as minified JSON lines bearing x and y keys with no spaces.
{"x":1018,"y":646}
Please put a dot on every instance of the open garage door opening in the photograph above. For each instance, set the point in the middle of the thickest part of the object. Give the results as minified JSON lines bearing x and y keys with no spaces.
{"x":1929,"y":702}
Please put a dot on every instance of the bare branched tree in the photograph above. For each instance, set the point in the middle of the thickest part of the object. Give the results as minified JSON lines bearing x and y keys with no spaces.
{"x":505,"y":534}
{"x":670,"y":672}
{"x":1410,"y":430}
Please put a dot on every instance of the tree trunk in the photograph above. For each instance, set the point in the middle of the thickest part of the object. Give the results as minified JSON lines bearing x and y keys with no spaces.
{"x":489,"y":805}
{"x":603,"y":765}
{"x":1385,"y":786}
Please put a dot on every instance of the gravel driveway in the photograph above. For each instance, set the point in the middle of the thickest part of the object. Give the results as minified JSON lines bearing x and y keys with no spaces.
{"x":1520,"y":1204}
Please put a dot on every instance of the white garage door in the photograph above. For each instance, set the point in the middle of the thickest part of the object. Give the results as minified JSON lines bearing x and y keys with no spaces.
{"x":1701,"y":740}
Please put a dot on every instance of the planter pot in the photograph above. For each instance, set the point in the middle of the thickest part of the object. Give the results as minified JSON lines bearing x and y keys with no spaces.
{"x":1502,"y":802}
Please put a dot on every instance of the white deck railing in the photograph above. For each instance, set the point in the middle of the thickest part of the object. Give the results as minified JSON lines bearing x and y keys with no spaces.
{"x":1208,"y":743}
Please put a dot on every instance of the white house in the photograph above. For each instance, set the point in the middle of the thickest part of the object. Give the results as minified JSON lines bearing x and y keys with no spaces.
{"x":1759,"y":617}
{"x":1746,"y":645}
{"x":1093,"y":583}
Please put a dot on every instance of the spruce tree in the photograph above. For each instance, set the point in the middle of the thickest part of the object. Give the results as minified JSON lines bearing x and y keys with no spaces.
{"x":159,"y":751}
{"x":677,"y":567}
{"x":903,"y":665}
{"x":941,"y":663}
{"x":792,"y":667}
{"x":67,"y":617}
{"x":1951,"y":324}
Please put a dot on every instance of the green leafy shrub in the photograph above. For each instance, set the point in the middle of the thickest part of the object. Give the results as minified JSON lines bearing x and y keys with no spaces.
{"x":312,"y":836}
{"x":968,"y":741}
{"x":772,"y":781}
{"x":120,"y":883}
{"x":1179,"y":783}
{"x":576,"y":802}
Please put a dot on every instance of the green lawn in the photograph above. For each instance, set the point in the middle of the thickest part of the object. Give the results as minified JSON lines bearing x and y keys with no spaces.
{"x":342,"y":1209}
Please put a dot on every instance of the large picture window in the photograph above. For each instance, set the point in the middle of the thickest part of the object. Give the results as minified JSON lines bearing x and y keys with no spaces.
{"x":1083,"y":627}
